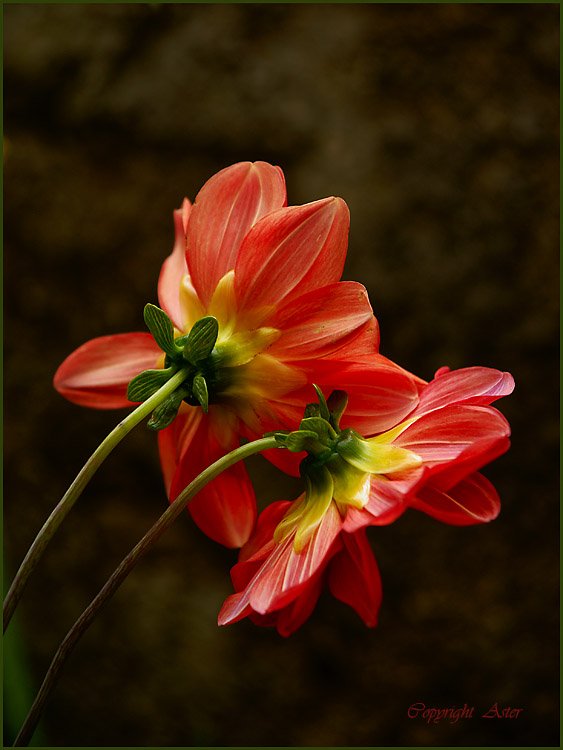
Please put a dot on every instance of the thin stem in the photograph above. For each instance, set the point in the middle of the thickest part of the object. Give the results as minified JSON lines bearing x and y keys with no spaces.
{"x":77,"y":487}
{"x":121,"y":573}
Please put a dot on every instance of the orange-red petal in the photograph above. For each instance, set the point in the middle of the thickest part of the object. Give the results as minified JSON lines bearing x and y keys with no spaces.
{"x":283,"y":573}
{"x":324,"y":322}
{"x":478,"y":386}
{"x":175,"y":441}
{"x":473,"y":500}
{"x":225,"y":209}
{"x":174,"y":269}
{"x":354,"y":578}
{"x":443,"y":435}
{"x":225,"y":509}
{"x":98,"y":372}
{"x":291,"y":252}
{"x":291,"y":617}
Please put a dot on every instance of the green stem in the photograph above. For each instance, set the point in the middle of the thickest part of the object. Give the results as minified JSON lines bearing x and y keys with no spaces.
{"x":77,"y":487}
{"x":123,"y":570}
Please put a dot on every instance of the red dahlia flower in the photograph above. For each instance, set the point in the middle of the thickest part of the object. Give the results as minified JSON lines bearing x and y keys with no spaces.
{"x":269,"y":274}
{"x":428,"y":461}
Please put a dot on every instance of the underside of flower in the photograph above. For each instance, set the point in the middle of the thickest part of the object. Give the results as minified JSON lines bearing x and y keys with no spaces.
{"x":224,"y":358}
{"x":337,"y":469}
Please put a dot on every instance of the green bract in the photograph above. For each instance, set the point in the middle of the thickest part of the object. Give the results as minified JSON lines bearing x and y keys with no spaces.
{"x":338,"y":466}
{"x":148,"y":382}
{"x":337,"y":403}
{"x":199,"y":390}
{"x":201,"y":340}
{"x":160,"y":325}
{"x":165,"y":414}
{"x":194,"y":354}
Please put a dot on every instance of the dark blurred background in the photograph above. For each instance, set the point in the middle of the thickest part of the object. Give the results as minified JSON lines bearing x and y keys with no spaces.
{"x":438,"y":124}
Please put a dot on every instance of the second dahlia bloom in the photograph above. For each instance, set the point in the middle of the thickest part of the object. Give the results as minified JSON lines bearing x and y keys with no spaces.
{"x":269,"y":274}
{"x":428,"y":461}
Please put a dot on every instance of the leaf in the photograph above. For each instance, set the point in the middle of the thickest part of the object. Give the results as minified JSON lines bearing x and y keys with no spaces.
{"x":337,"y":403}
{"x":201,"y":339}
{"x":300,"y":440}
{"x":199,"y":390}
{"x":160,"y":325}
{"x":147,"y":383}
{"x":320,"y":427}
{"x":166,"y":412}
{"x":325,"y":414}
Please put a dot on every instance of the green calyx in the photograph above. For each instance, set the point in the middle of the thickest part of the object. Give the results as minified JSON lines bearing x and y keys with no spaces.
{"x":319,"y":433}
{"x":343,"y":452}
{"x":192,"y":353}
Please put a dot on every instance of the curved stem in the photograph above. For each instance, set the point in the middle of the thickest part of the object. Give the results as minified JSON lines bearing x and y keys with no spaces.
{"x":77,"y":487}
{"x":123,"y":570}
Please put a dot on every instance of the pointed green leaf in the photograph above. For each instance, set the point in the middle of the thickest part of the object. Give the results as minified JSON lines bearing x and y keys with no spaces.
{"x":148,"y":382}
{"x":337,"y":403}
{"x":199,"y":389}
{"x":323,"y":430}
{"x":325,"y":414}
{"x":301,"y":440}
{"x":160,"y":325}
{"x":201,"y":339}
{"x":166,"y":412}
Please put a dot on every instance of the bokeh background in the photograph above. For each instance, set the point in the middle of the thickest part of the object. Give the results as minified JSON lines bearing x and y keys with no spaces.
{"x":438,"y":124}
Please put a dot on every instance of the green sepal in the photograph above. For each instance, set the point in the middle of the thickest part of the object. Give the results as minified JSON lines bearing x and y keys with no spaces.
{"x":166,"y":412}
{"x":160,"y":325}
{"x":201,"y":339}
{"x":199,"y":390}
{"x":301,"y":440}
{"x":147,"y":383}
{"x":337,"y":403}
{"x":312,"y":410}
{"x":322,"y":429}
{"x":324,"y":412}
{"x":279,"y":435}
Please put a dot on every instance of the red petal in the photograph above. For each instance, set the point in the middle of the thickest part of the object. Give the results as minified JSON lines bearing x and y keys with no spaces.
{"x":445,"y":476}
{"x":354,"y":578}
{"x":291,"y":252}
{"x":235,"y":608}
{"x":474,"y":500}
{"x":470,"y":385}
{"x":263,"y":534}
{"x":285,"y":461}
{"x":377,"y":399}
{"x":175,"y":441}
{"x":443,"y":435}
{"x":323,"y":321}
{"x":290,"y":618}
{"x":387,"y":501}
{"x":380,"y":394}
{"x":175,"y":268}
{"x":283,"y":573}
{"x":225,"y":509}
{"x":226,"y":207}
{"x":98,"y":372}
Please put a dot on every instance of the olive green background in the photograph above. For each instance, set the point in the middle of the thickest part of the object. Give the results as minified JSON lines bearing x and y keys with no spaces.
{"x":438,"y":124}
